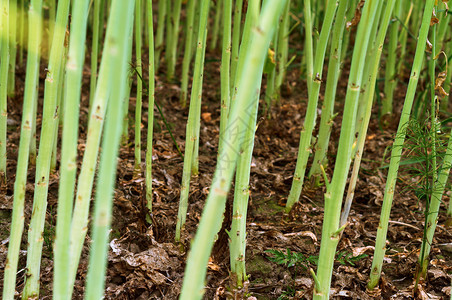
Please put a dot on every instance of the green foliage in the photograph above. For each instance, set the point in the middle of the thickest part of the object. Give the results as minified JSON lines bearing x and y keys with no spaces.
{"x":419,"y":155}
{"x":289,"y":294}
{"x":291,"y":259}
{"x":48,"y":236}
{"x":347,"y":258}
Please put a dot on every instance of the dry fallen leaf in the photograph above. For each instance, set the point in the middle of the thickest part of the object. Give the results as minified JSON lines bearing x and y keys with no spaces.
{"x":206,"y":117}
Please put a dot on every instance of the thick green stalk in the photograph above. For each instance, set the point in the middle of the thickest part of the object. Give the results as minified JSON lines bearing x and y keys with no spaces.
{"x":415,"y":18}
{"x":4,"y":85}
{"x":33,"y":152}
{"x":245,"y":44}
{"x":211,"y":219}
{"x":117,"y":47}
{"x":403,"y":37}
{"x":145,"y":28}
{"x":270,"y":93}
{"x":139,"y":98}
{"x":380,"y":245}
{"x":237,"y":234}
{"x":125,"y":116}
{"x":311,"y":112}
{"x":52,"y":16}
{"x":192,"y":131}
{"x":187,"y":52}
{"x":236,"y":37}
{"x":151,"y":98}
{"x":346,"y":39}
{"x":196,"y":24}
{"x":13,"y":15}
{"x":331,"y":231}
{"x":162,"y":9}
{"x":443,"y":27}
{"x":22,"y":24}
{"x":175,"y":21}
{"x":103,"y":16}
{"x":49,"y":121}
{"x":225,"y":69}
{"x":308,"y":52}
{"x":326,"y":120}
{"x":390,"y":71}
{"x":367,"y":101}
{"x":94,"y":50}
{"x":60,"y":105}
{"x":79,"y":224}
{"x":366,"y":74}
{"x":17,"y":222}
{"x":169,"y":31}
{"x":73,"y":82}
{"x":282,"y":52}
{"x":216,"y":24}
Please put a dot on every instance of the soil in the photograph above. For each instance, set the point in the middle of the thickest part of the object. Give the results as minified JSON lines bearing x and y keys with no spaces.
{"x":144,"y":262}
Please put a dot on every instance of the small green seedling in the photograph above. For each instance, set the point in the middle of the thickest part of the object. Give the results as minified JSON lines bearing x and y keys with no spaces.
{"x":291,"y":259}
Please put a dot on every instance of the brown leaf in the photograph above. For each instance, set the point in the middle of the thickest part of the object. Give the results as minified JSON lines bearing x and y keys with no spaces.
{"x":439,"y":81}
{"x":433,"y":21}
{"x":206,"y":117}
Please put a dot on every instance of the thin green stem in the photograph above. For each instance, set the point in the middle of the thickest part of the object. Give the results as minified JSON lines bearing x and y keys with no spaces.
{"x":211,"y":219}
{"x":192,"y":131}
{"x":49,"y":121}
{"x":118,"y":45}
{"x":380,"y":246}
{"x":139,"y":98}
{"x":17,"y":222}
{"x":73,"y":82}
{"x":331,"y":231}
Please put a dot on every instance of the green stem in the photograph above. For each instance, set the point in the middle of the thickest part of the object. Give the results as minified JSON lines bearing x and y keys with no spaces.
{"x":151,"y":95}
{"x":237,"y":234}
{"x":162,"y":9}
{"x":380,"y":245}
{"x":236,"y":30}
{"x":192,"y":131}
{"x":225,"y":69}
{"x":117,"y":46}
{"x":326,"y":120}
{"x":390,"y":71}
{"x":187,"y":52}
{"x":308,"y":53}
{"x":211,"y":219}
{"x":79,"y":225}
{"x":94,"y":51}
{"x":139,"y":98}
{"x":69,"y":148}
{"x":432,"y":204}
{"x":175,"y":20}
{"x":17,"y":222}
{"x":282,"y":52}
{"x":367,"y":103}
{"x":12,"y":36}
{"x":49,"y":121}
{"x":5,"y":44}
{"x":304,"y":149}
{"x":333,"y":196}
{"x":216,"y":24}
